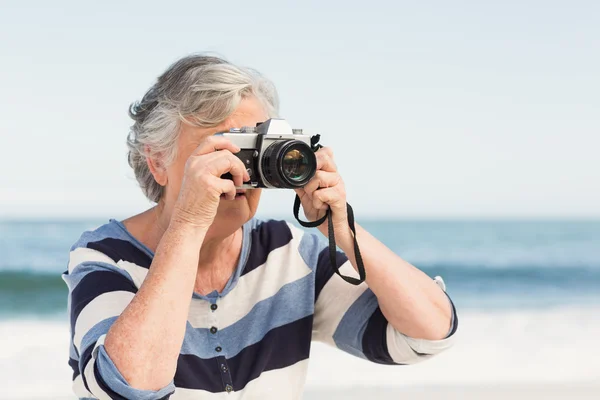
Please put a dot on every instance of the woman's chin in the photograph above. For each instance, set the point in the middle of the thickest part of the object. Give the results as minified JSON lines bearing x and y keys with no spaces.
{"x":237,"y":210}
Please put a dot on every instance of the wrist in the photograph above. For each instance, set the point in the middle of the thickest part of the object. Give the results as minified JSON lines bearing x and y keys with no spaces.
{"x":198,"y":221}
{"x":342,"y":231}
{"x":183,"y":226}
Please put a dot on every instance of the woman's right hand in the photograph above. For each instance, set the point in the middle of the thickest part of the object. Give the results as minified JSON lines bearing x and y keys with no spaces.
{"x":202,"y":185}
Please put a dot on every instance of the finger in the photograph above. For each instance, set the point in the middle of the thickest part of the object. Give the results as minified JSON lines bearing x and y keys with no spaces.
{"x":222,"y":162}
{"x":318,"y":204}
{"x":300,"y":193}
{"x":325,"y":160}
{"x":238,"y":170}
{"x":329,"y":196}
{"x":226,"y":187}
{"x":322,"y":179}
{"x":215,"y":143}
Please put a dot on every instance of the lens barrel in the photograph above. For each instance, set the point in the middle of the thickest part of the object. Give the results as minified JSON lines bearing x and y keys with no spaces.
{"x":288,"y":164}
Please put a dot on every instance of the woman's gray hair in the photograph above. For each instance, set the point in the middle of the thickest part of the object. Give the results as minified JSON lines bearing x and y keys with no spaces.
{"x":199,"y":90}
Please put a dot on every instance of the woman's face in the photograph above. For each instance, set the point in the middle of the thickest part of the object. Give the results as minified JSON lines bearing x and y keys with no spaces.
{"x":231,"y":213}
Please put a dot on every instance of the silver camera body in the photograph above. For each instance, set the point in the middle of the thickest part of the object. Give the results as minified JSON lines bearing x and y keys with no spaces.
{"x":275,"y":155}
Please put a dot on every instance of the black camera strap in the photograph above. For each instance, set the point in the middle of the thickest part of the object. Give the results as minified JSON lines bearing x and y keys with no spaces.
{"x":332,"y":246}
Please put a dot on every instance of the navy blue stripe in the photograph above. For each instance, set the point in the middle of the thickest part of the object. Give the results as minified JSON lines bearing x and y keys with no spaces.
{"x":455,"y":322}
{"x":94,"y":284}
{"x":74,"y":364}
{"x":324,"y":269}
{"x":118,"y":250}
{"x":113,"y":395}
{"x":265,"y":238}
{"x":280,"y":348}
{"x":198,"y":373}
{"x":374,"y":342}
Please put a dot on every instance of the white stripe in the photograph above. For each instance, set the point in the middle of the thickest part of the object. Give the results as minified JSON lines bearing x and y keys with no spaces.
{"x":83,"y":254}
{"x":137,"y":273}
{"x":403,"y":348}
{"x":334,"y":300}
{"x":79,"y":388}
{"x":284,"y":265}
{"x":430,"y":346}
{"x":440,"y":282}
{"x":106,"y":305}
{"x":398,"y":347}
{"x":285,"y":383}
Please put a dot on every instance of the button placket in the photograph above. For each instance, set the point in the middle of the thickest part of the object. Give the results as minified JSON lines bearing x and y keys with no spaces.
{"x":213,"y":330}
{"x":214,"y":340}
{"x":225,"y":374}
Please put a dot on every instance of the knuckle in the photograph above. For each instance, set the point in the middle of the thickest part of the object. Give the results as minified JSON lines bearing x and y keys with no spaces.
{"x":210,"y":139}
{"x":205,"y":180}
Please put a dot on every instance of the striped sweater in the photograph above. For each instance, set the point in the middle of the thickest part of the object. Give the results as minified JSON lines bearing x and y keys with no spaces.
{"x":253,"y":339}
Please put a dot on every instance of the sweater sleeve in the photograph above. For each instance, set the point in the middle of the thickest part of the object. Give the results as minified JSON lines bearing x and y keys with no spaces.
{"x":348,"y":317}
{"x":99,"y":291}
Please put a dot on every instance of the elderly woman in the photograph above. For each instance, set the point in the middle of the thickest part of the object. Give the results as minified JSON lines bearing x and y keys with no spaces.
{"x":195,"y":298}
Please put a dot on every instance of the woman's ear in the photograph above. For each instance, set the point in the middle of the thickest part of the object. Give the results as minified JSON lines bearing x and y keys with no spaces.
{"x":157,"y":169}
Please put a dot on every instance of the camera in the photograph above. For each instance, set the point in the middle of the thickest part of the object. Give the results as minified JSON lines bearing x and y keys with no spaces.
{"x":275,"y":155}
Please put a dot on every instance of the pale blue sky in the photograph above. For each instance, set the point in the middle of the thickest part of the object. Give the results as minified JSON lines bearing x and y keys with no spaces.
{"x":434,"y":109}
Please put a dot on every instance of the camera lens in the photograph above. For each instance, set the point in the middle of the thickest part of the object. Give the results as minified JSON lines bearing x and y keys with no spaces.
{"x":289,"y":164}
{"x":295,"y":165}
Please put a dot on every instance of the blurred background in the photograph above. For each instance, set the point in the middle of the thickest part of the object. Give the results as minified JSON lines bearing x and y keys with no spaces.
{"x":467,"y":134}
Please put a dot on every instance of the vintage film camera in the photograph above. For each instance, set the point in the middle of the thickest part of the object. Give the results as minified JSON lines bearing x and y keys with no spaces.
{"x":275,"y":155}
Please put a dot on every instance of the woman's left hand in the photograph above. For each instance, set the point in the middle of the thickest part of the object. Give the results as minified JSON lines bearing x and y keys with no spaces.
{"x":325,"y":190}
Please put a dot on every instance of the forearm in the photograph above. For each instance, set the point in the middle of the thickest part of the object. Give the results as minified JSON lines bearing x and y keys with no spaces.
{"x":410,"y":300}
{"x":145,"y":341}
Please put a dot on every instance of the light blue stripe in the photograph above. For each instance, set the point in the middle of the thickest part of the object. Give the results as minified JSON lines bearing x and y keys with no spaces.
{"x":91,"y":336}
{"x":113,"y":229}
{"x":291,"y":303}
{"x":349,"y":333}
{"x":310,"y":247}
{"x":113,"y":378}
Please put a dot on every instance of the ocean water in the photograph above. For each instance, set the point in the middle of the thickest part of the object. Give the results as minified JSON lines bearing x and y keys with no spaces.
{"x":527,"y":293}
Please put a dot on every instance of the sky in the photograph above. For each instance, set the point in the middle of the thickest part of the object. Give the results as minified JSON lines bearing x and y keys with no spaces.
{"x":434,"y":109}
